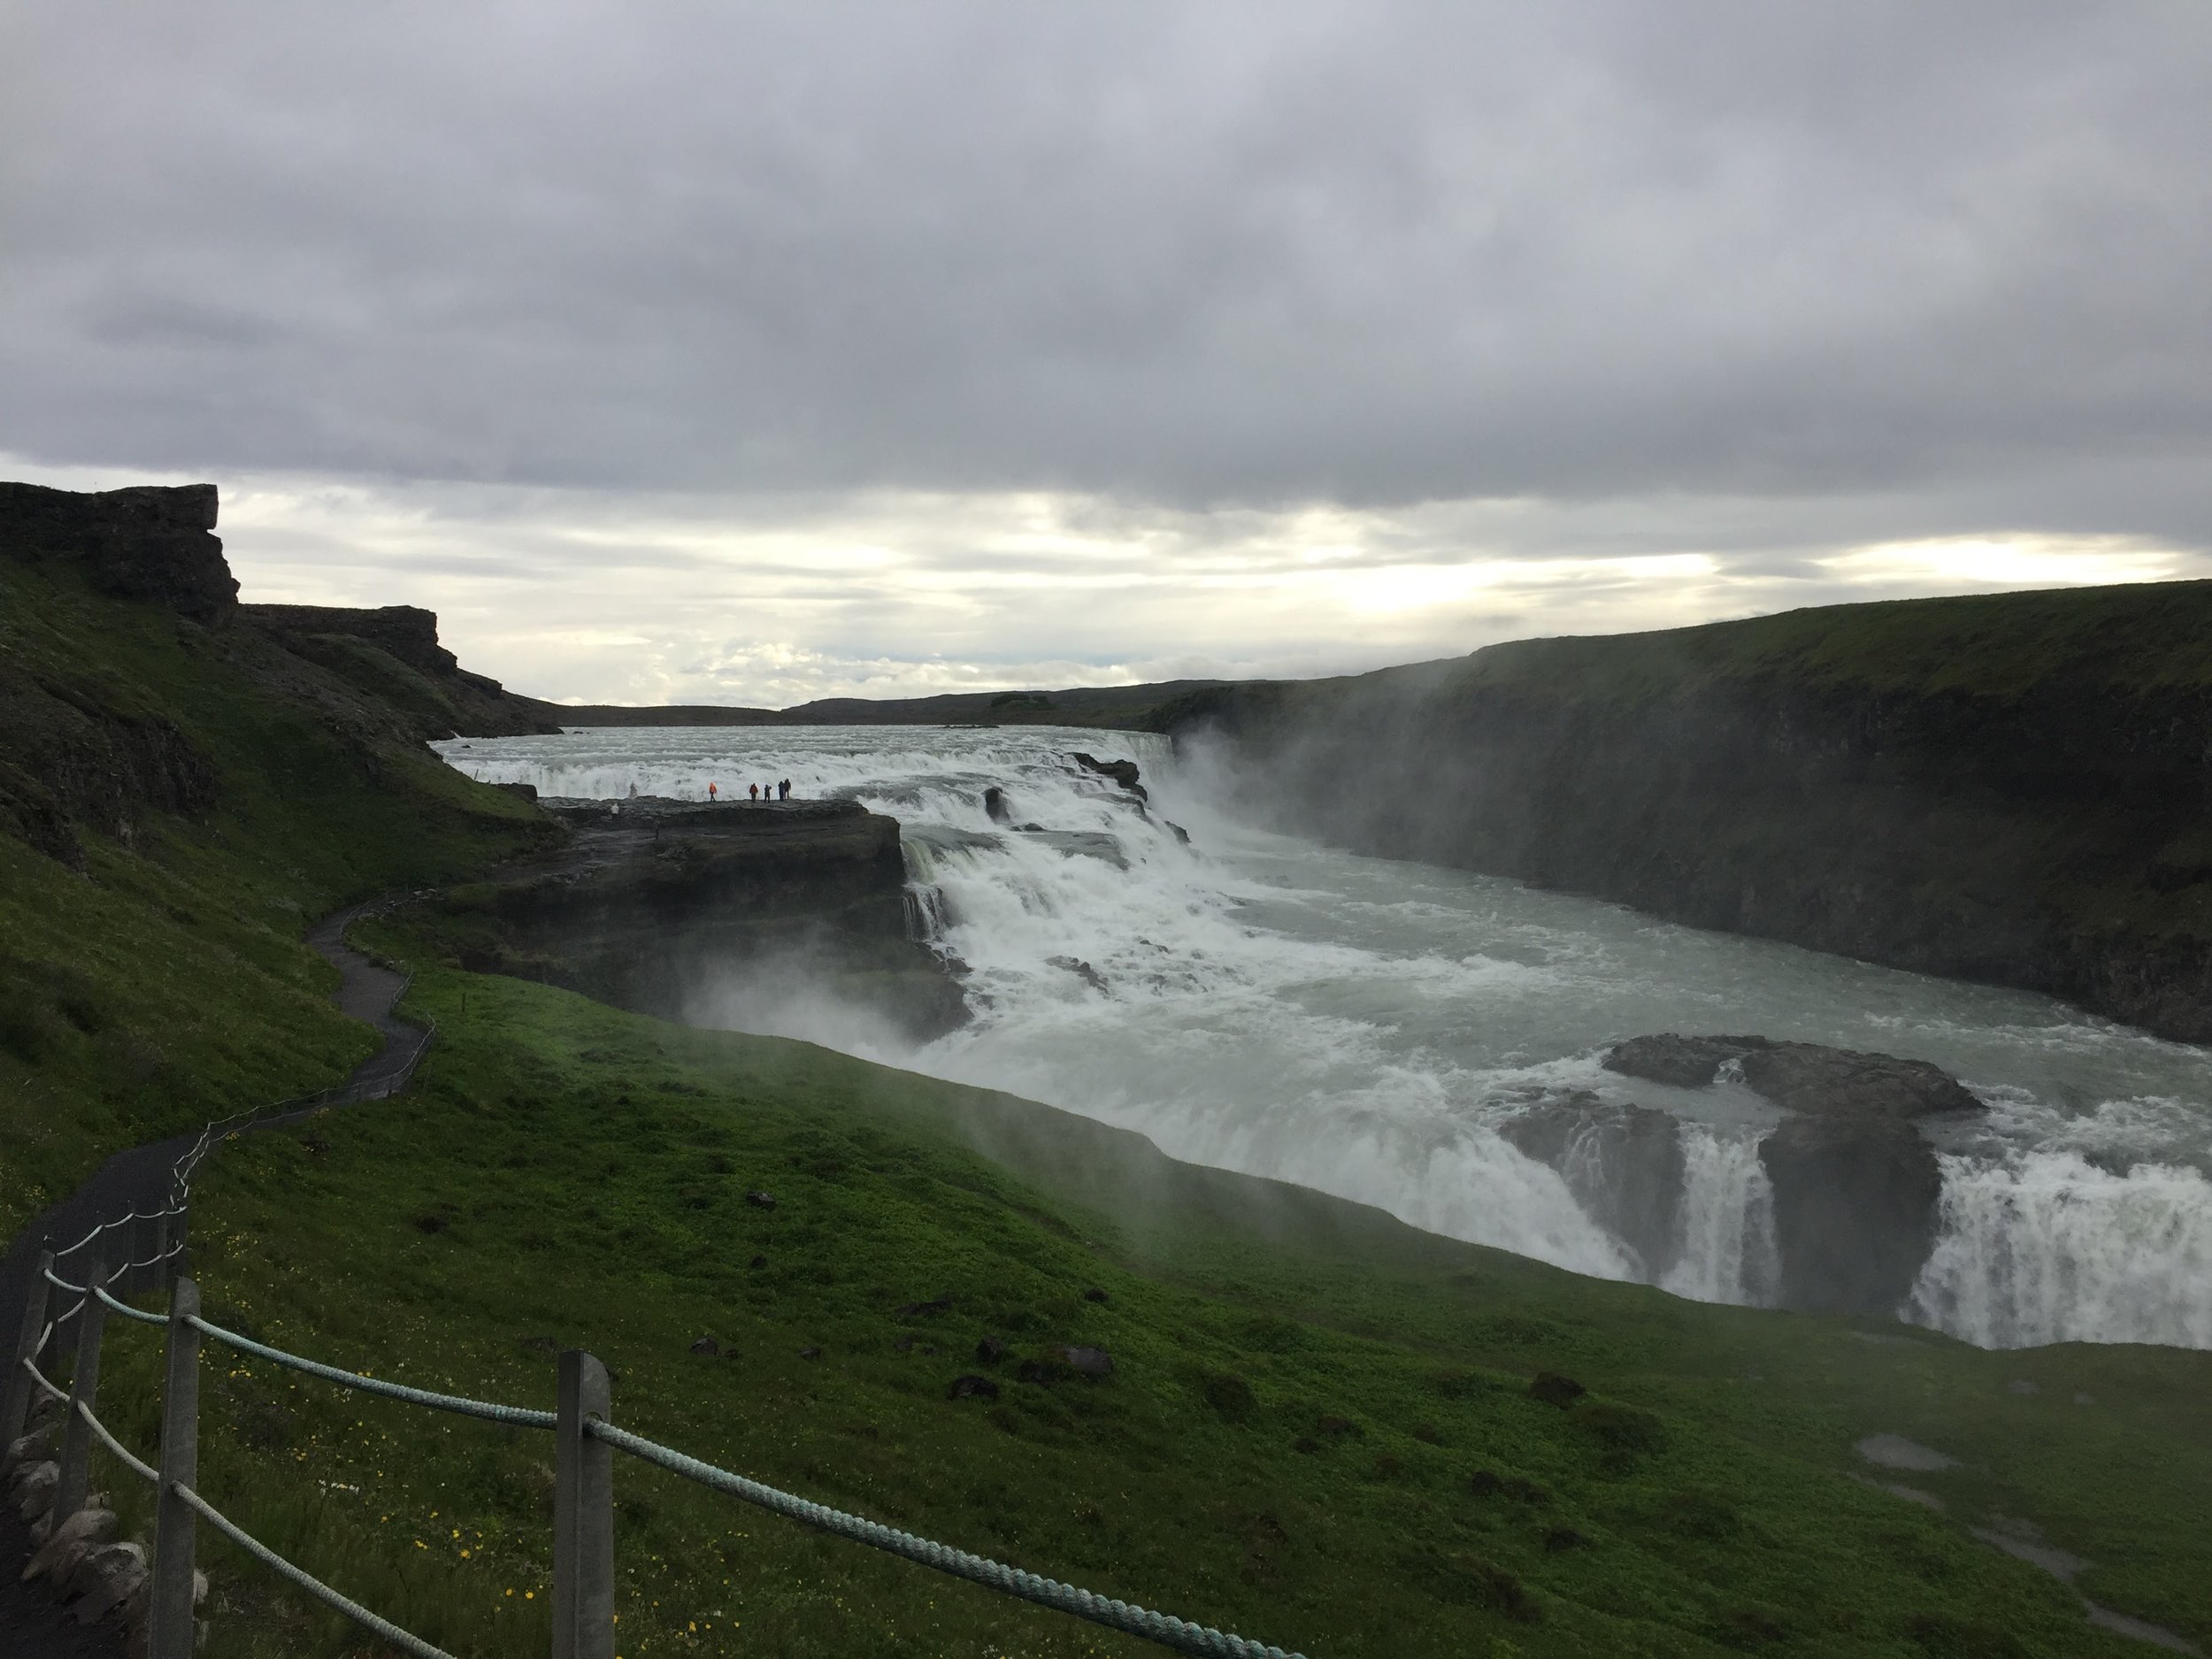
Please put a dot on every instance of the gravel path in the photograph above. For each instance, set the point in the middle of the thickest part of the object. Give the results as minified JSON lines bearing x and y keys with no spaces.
{"x":32,"y":1625}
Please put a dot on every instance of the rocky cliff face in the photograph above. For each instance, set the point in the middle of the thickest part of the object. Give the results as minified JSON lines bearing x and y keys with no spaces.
{"x":2015,"y":788}
{"x":394,"y":651}
{"x":150,"y":543}
{"x":661,"y":906}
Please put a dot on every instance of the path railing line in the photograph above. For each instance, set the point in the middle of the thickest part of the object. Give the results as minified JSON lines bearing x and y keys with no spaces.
{"x":585,"y":1437}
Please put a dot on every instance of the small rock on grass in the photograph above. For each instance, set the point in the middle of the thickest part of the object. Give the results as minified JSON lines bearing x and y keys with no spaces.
{"x":706,"y":1348}
{"x":758,"y":1261}
{"x":1555,"y":1390}
{"x":106,"y":1577}
{"x":810,"y":1352}
{"x":1094,"y":1294}
{"x":990,"y":1350}
{"x":761,"y":1201}
{"x":1093,"y":1363}
{"x":972,"y":1388}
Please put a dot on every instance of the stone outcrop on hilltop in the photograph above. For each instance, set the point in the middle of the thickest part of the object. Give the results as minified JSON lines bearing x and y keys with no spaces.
{"x":680,"y":909}
{"x":150,"y":543}
{"x":394,"y":650}
{"x":2015,"y":788}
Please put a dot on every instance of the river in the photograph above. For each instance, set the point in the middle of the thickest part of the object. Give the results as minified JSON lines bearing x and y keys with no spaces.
{"x":1263,"y":1004}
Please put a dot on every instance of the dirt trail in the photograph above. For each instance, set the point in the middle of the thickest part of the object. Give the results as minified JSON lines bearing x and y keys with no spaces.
{"x":32,"y":1625}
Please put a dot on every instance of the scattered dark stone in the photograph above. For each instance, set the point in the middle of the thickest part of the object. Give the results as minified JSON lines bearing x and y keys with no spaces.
{"x":706,"y":1348}
{"x":1122,"y":771}
{"x":316,"y":1145}
{"x":1388,"y":1467}
{"x":1230,"y":1395}
{"x":1485,"y":1483}
{"x":990,"y":1350}
{"x":994,"y":805}
{"x":1336,"y":1428}
{"x":1081,"y":969}
{"x":1093,"y":1363}
{"x":1555,"y":1390}
{"x":972,"y":1388}
{"x":904,"y":1345}
{"x":810,"y":1352}
{"x":761,"y":1201}
{"x":1559,"y":1540}
{"x":943,"y":1304}
{"x":1181,"y":834}
{"x":1427,"y":1434}
{"x":758,"y":1261}
{"x":1855,"y":1211}
{"x":1305,"y":1444}
{"x":1030,"y":829}
{"x":1803,"y":1077}
{"x":1035,"y":1370}
{"x":1628,"y":1430}
{"x":430,"y":1223}
{"x":1623,"y":1164}
{"x":1094,"y":1294}
{"x":1679,"y":1061}
{"x":1747,"y":1625}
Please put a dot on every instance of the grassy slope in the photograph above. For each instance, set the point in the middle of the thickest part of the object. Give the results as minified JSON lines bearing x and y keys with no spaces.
{"x":1303,"y":1389}
{"x":166,"y":981}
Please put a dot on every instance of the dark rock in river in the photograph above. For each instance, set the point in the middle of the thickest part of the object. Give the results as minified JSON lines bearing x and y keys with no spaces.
{"x":1623,"y":1164}
{"x":1122,"y":771}
{"x":1855,"y":1211}
{"x":1803,"y":1077}
{"x":994,"y":805}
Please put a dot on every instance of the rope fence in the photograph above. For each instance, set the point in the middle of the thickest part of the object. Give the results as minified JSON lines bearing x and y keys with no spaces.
{"x":585,"y":1437}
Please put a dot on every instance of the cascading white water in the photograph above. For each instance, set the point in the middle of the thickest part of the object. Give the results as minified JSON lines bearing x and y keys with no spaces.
{"x":2047,"y":1247}
{"x":1363,"y":1026}
{"x":1728,"y":1250}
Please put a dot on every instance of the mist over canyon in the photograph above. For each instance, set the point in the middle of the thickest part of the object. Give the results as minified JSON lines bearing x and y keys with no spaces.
{"x":1433,"y":1041}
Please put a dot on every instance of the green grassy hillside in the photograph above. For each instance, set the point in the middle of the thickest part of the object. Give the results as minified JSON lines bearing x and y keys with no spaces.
{"x":1318,"y":1431}
{"x":151,"y":973}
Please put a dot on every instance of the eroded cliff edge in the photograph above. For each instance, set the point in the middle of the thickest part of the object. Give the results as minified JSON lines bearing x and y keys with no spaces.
{"x":2014,"y":788}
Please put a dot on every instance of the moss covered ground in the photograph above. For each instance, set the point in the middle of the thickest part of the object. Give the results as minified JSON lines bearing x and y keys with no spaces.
{"x":164,"y":981}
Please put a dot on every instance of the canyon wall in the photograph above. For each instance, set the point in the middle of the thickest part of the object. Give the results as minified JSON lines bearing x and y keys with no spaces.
{"x":2014,"y":788}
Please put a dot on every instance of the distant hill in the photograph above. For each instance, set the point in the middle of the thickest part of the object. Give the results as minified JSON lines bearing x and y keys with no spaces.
{"x":2009,"y":788}
{"x":1129,"y":708}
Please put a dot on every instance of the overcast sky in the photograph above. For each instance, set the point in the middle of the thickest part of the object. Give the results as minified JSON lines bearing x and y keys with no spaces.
{"x":755,"y":353}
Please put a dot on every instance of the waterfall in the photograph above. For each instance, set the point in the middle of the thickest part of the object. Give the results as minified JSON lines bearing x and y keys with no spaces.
{"x":1375,"y":1029}
{"x":1727,"y":1250}
{"x":2047,"y":1247}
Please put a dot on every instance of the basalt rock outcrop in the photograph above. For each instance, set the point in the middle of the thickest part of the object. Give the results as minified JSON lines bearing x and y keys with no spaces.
{"x":662,"y":906}
{"x":394,"y":651}
{"x":1122,"y":771}
{"x":150,"y":543}
{"x":2013,"y":787}
{"x":1856,"y":1184}
{"x":1800,"y":1076}
{"x":1623,"y":1164}
{"x":1855,"y":1211}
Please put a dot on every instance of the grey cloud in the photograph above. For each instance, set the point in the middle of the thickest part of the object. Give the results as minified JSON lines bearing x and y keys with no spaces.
{"x":1899,"y":265}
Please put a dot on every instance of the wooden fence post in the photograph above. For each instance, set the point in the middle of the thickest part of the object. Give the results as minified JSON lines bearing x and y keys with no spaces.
{"x":16,"y":1398}
{"x":583,"y":1515}
{"x":84,"y":1390}
{"x":171,"y":1635}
